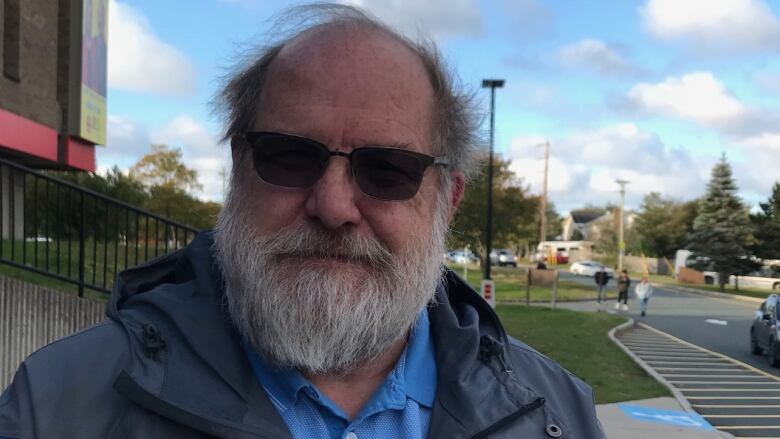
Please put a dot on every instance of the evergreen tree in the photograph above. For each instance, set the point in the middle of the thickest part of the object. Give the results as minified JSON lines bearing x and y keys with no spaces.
{"x":766,"y":227}
{"x":721,"y":231}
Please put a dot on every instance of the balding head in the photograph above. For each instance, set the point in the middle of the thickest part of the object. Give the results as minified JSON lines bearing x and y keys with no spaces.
{"x":454,"y":123}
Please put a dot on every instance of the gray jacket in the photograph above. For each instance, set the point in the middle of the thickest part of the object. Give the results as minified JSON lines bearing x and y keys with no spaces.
{"x":167,"y":363}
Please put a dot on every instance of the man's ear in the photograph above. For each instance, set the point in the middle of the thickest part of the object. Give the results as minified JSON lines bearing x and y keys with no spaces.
{"x":458,"y":188}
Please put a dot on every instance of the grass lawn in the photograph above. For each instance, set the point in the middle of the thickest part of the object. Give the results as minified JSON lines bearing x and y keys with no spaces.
{"x":579,"y":342}
{"x":511,"y":285}
{"x":729,"y":289}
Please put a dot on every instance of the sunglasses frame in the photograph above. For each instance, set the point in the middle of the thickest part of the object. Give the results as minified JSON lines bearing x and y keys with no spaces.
{"x":425,"y":160}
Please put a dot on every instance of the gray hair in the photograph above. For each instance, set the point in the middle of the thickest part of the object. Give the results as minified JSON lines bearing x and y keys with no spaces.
{"x":456,"y":120}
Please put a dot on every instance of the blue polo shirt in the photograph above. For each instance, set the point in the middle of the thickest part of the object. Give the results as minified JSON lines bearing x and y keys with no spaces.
{"x":400,"y":408}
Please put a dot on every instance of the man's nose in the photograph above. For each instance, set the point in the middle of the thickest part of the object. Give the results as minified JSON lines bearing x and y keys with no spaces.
{"x":332,"y":199}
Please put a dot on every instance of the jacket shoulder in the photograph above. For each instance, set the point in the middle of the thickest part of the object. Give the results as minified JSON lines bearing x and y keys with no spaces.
{"x":61,"y":382}
{"x":563,"y":392}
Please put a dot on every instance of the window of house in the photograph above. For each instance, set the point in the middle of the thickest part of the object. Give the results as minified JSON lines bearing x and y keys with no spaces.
{"x":11,"y":38}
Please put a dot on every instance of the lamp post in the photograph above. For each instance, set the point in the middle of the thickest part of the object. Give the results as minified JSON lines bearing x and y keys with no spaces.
{"x":621,"y":243}
{"x":492,"y":84}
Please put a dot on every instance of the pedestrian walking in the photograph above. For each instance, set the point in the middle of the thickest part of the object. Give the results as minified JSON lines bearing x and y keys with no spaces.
{"x":623,"y":284}
{"x":643,"y":292}
{"x":601,"y":278}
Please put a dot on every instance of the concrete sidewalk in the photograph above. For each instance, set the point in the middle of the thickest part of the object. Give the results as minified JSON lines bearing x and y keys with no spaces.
{"x":619,"y":425}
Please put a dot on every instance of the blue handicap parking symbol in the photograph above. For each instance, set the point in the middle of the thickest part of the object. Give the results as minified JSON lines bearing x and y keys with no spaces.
{"x":669,"y":417}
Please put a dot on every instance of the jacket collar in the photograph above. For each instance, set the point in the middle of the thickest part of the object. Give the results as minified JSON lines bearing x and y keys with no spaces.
{"x":215,"y":391}
{"x":474,"y":366}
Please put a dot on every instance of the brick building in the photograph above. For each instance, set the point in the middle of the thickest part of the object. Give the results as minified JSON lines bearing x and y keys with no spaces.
{"x":52,"y":86}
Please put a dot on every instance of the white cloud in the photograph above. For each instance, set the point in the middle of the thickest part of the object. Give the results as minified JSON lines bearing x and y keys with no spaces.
{"x":715,"y":25}
{"x":184,"y":132}
{"x":697,"y":96}
{"x":436,"y":17}
{"x":596,"y":55}
{"x":128,"y":141}
{"x":201,"y":152}
{"x":585,"y":165}
{"x":139,"y":61}
{"x":758,"y":170}
{"x":769,"y":80}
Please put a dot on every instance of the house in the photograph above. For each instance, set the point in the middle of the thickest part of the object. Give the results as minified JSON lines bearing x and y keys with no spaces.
{"x":588,"y":224}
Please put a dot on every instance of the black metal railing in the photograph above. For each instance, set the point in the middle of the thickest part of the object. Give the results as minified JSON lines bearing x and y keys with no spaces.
{"x":61,"y":230}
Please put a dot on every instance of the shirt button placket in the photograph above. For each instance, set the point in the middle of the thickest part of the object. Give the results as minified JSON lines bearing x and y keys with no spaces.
{"x":351,"y":435}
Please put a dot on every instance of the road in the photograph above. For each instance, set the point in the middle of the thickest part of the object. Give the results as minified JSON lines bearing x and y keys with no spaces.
{"x":686,"y":315}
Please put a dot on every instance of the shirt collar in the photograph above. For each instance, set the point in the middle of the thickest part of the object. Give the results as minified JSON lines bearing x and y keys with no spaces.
{"x":414,"y":374}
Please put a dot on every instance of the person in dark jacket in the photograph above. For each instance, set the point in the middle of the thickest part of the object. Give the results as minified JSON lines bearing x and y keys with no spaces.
{"x":318,"y":307}
{"x":602,"y":279}
{"x":623,"y":285}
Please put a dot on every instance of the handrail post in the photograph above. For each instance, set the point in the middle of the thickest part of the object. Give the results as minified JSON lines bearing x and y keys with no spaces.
{"x":82,"y":237}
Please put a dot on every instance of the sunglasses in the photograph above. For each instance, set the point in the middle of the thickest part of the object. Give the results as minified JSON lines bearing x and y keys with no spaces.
{"x":389,"y":174}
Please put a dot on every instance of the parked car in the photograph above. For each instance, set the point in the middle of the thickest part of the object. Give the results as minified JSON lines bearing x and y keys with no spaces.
{"x":503,"y":257}
{"x":764,"y":332}
{"x":461,"y":257}
{"x":589,"y":268}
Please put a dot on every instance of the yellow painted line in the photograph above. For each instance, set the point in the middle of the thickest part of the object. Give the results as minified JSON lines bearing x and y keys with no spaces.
{"x":684,"y":351}
{"x":711,"y":376}
{"x":730,"y":390}
{"x":697,"y":368}
{"x":652,"y":345}
{"x":758,"y":383}
{"x":741,"y":416}
{"x":745,"y":365}
{"x":746,"y":406}
{"x":700,"y":363}
{"x":733,"y":397}
{"x":749,"y":427}
{"x":677,"y":355}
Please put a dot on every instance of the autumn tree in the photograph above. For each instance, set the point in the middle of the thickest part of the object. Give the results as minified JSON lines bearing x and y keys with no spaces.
{"x":169,"y":183}
{"x":663,"y":225}
{"x":164,"y":167}
{"x":515,"y":212}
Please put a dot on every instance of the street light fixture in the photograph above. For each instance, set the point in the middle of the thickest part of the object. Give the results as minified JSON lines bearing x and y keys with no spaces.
{"x":492,"y":84}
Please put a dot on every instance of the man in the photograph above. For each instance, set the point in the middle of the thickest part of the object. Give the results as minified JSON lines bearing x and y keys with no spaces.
{"x":318,"y":308}
{"x":602,"y":279}
{"x":623,"y":285}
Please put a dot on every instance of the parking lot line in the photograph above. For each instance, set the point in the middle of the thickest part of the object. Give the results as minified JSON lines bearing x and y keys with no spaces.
{"x":723,"y":390}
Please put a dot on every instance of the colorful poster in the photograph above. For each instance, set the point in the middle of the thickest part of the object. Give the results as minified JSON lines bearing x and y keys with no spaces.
{"x":94,"y":71}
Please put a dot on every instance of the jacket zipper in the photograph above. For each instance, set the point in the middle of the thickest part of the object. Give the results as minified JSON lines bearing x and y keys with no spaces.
{"x":535,"y":404}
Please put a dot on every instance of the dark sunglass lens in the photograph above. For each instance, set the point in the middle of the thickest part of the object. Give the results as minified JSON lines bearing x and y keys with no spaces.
{"x":387,"y":174}
{"x":288,"y":161}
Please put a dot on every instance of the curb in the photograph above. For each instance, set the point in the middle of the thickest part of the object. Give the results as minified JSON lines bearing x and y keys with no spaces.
{"x":650,"y":371}
{"x":522,"y":301}
{"x":678,"y":289}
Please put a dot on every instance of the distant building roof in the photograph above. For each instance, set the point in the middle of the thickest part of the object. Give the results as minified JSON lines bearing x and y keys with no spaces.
{"x":586,"y":216}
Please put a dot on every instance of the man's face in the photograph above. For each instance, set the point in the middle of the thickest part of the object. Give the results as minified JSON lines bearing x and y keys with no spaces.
{"x":326,"y":278}
{"x":347,"y":96}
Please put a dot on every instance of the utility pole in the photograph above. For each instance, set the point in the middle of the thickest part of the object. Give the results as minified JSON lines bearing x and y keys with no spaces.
{"x":543,"y":206}
{"x":621,"y":243}
{"x":492,"y":84}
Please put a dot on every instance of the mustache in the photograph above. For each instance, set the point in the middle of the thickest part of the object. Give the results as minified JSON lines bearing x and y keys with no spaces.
{"x":311,"y":240}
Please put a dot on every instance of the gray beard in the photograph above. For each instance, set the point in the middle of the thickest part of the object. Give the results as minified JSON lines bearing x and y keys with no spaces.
{"x":298,"y":311}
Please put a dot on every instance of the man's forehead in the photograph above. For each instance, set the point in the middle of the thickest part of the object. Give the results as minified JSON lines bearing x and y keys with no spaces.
{"x":352,"y":65}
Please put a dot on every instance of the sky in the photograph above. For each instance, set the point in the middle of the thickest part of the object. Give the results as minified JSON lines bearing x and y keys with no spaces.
{"x":649,"y":91}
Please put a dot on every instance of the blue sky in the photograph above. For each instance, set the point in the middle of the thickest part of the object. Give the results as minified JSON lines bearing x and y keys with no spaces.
{"x":651,"y":91}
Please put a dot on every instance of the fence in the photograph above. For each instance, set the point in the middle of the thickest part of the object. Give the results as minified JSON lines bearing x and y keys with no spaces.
{"x":61,"y":230}
{"x":32,"y":316}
